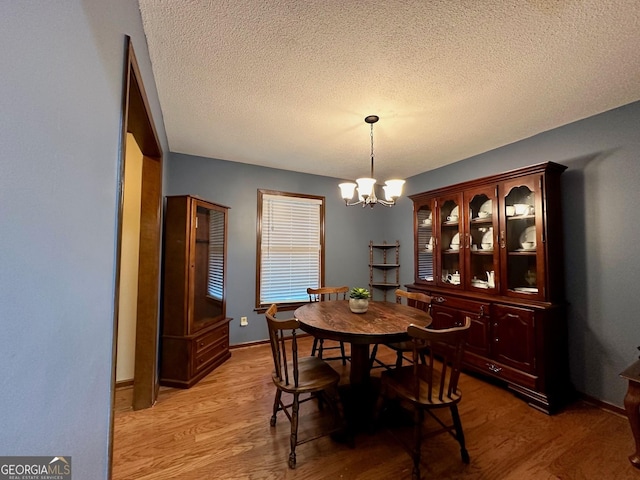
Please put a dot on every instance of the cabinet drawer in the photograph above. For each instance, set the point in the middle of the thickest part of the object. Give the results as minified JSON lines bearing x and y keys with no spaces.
{"x":206,"y":340}
{"x":204,"y":359}
{"x":449,"y":312}
{"x":499,"y":370}
{"x":470,"y":307}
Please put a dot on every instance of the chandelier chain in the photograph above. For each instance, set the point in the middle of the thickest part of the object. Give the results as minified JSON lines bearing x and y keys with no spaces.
{"x":372,"y":151}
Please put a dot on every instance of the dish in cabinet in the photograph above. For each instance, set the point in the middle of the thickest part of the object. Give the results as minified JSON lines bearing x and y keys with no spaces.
{"x":486,"y":209}
{"x":479,"y":283}
{"x":526,"y":289}
{"x":528,"y":235}
{"x":487,"y":240}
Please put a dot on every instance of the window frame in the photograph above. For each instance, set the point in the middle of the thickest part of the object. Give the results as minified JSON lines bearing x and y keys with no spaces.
{"x":259,"y":307}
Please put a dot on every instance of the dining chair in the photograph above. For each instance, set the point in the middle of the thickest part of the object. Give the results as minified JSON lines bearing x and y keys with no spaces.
{"x":322,"y":294}
{"x":304,"y":378}
{"x":428,"y":386}
{"x":417,"y":300}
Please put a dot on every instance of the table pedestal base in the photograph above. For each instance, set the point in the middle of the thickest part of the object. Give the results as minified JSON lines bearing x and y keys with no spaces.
{"x":361,"y":394}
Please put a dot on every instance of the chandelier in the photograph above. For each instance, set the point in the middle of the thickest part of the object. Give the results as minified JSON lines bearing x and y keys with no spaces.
{"x":367,"y":186}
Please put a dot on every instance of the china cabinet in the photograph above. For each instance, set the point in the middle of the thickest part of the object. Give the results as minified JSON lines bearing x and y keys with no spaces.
{"x":384,"y":268}
{"x":491,"y":249}
{"x":195,"y":329}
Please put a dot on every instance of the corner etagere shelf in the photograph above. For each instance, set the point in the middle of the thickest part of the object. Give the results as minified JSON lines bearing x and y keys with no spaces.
{"x":384,"y":268}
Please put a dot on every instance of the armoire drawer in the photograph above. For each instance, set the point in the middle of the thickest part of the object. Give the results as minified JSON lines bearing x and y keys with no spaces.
{"x":206,"y":340}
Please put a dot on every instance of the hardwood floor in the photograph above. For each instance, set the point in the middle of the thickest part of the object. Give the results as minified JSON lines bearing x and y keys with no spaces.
{"x":219,"y":429}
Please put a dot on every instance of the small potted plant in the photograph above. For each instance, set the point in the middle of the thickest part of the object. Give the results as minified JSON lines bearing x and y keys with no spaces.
{"x":359,"y":299}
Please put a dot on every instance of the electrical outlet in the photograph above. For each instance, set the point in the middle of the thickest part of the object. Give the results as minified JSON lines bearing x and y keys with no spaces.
{"x":244,"y":322}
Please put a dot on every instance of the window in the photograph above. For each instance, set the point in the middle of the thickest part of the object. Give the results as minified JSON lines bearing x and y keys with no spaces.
{"x":290,"y":255}
{"x":215,"y":274}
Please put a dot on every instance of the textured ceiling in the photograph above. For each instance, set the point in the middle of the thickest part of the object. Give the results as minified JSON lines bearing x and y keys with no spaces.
{"x":287,"y":83}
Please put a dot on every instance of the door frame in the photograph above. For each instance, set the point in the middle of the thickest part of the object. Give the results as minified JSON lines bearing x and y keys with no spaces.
{"x":136,"y":119}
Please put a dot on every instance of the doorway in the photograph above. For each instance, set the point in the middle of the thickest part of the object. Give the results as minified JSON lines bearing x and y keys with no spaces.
{"x":138,"y":122}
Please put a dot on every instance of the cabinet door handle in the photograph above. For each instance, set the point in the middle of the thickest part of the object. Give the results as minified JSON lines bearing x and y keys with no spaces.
{"x":440,"y":299}
{"x":503,"y":243}
{"x":494,"y":368}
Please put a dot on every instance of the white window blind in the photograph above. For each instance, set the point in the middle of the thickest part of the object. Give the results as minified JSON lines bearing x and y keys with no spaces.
{"x":290,"y":249}
{"x":215,"y":277}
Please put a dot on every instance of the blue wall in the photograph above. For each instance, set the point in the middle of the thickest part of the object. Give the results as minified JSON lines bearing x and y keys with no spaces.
{"x":60,"y":102}
{"x":600,"y":198}
{"x":348,"y":230}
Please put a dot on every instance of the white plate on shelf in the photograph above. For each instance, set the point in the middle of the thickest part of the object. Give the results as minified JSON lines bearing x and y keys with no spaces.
{"x":526,"y":289}
{"x":528,"y":235}
{"x":487,"y":238}
{"x":479,"y":284}
{"x":486,"y":208}
{"x":455,"y":211}
{"x":455,"y":240}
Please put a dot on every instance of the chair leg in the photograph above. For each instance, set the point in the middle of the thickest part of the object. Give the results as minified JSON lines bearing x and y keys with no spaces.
{"x":374,"y":351}
{"x":294,"y":430}
{"x":459,"y":433}
{"x":314,"y":347}
{"x":320,"y":347}
{"x":417,"y":437}
{"x":399,"y":359}
{"x":344,"y":356}
{"x":276,"y":407}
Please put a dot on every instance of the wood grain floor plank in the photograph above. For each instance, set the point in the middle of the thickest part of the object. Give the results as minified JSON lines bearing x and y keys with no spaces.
{"x":219,"y":429}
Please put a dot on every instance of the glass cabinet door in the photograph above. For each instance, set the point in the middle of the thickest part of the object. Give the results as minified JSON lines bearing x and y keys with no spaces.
{"x":208,"y":265}
{"x":521,"y":241}
{"x":425,"y":244}
{"x":481,"y":247}
{"x":451,"y":241}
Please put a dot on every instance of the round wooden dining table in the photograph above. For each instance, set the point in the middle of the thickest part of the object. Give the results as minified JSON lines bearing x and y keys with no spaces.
{"x":384,"y":322}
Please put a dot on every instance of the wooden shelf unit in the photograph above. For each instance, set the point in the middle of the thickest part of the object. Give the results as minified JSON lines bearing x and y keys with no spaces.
{"x":384,"y":268}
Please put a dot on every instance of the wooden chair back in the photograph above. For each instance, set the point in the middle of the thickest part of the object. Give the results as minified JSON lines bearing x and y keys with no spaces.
{"x":442,"y":360}
{"x":323,"y":294}
{"x":284,"y":346}
{"x":418,"y":300}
